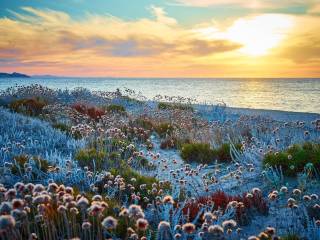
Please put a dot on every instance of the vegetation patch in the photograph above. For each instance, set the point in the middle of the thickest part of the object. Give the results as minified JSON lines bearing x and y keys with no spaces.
{"x":93,"y":112}
{"x":142,"y":122}
{"x":174,"y":106}
{"x":244,"y":205}
{"x":164,"y":129}
{"x":197,"y":152}
{"x":173,"y":143}
{"x":114,"y":108}
{"x":67,"y":130}
{"x":22,"y":163}
{"x":30,"y":106}
{"x":203,"y":153}
{"x":295,"y":158}
{"x":92,"y":158}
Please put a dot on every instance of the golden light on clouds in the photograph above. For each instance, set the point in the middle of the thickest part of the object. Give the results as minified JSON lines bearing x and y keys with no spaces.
{"x":261,"y":33}
{"x":260,"y":45}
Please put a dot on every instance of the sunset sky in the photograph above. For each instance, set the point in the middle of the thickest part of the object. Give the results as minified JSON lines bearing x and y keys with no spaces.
{"x":161,"y":38}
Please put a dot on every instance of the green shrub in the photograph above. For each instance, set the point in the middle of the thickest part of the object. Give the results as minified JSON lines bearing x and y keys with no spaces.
{"x":173,"y":143}
{"x":145,"y":163}
{"x":164,"y":129}
{"x":128,"y":173}
{"x":30,"y":107}
{"x":85,"y":158}
{"x":62,"y":127}
{"x":197,"y":152}
{"x":294,"y":159}
{"x":21,"y":160}
{"x":203,"y":153}
{"x":114,"y":108}
{"x":142,"y":122}
{"x":290,"y":237}
{"x":222,"y":153}
{"x":173,"y":106}
{"x":67,"y":129}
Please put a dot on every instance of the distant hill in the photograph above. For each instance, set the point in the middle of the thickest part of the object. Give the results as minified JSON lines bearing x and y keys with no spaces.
{"x":13,"y":75}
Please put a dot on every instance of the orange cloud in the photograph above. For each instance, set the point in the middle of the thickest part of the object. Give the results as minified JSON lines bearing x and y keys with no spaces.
{"x":51,"y":42}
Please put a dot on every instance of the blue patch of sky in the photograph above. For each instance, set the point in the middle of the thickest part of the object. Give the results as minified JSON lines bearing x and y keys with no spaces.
{"x":132,"y":10}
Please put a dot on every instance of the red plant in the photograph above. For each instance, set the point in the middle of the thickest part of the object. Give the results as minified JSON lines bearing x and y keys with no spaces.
{"x":220,"y":200}
{"x":92,"y":112}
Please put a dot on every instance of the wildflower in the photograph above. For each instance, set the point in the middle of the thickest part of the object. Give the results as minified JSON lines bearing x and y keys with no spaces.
{"x":17,"y":203}
{"x":135,"y":211}
{"x":61,"y":209}
{"x":168,"y":199}
{"x":142,"y":224}
{"x":130,"y":231}
{"x":134,"y":236}
{"x":249,"y":195}
{"x":95,"y":209}
{"x":272,"y":196}
{"x":33,"y":236}
{"x":109,"y":223}
{"x":5,"y":208}
{"x":306,"y":198}
{"x":256,"y":191}
{"x":86,"y":225}
{"x":53,"y":187}
{"x":177,"y":227}
{"x":83,"y":203}
{"x":163,"y":226}
{"x":97,"y":198}
{"x":284,"y":189}
{"x":38,"y":188}
{"x":253,"y":238}
{"x":43,"y":198}
{"x":10,"y":194}
{"x":6,"y":222}
{"x":314,"y":196}
{"x":19,"y":186}
{"x":263,"y":236}
{"x":215,"y":229}
{"x":270,"y":231}
{"x":316,"y":206}
{"x":177,"y":236}
{"x":229,"y":224}
{"x":188,"y":228}
{"x":208,"y":216}
{"x":124,"y":213}
{"x":296,"y":191}
{"x":74,"y":210}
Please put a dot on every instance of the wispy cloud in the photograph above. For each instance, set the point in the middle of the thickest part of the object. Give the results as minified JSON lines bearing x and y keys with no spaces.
{"x":53,"y":42}
{"x":248,"y":4}
{"x":50,"y":34}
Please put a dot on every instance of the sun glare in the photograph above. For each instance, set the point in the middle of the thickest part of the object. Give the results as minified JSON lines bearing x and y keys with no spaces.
{"x":259,"y":34}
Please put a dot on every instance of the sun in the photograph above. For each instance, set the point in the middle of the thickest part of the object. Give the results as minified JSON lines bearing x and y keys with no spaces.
{"x":259,"y":34}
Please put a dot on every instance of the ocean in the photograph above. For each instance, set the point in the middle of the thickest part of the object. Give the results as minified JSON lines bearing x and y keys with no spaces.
{"x":298,"y":95}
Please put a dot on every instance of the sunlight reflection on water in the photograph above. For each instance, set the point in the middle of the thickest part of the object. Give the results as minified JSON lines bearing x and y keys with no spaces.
{"x":300,"y":95}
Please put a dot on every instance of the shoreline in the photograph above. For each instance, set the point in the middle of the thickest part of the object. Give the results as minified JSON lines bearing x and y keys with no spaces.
{"x":275,"y":114}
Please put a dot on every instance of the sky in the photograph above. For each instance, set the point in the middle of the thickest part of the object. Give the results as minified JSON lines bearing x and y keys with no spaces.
{"x":161,"y":38}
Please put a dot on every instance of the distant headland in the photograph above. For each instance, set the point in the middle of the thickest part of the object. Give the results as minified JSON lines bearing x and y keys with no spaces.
{"x":13,"y":75}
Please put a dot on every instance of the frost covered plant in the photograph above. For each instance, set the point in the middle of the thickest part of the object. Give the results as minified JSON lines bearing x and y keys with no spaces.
{"x":164,"y":231}
{"x":129,"y":182}
{"x":109,"y":223}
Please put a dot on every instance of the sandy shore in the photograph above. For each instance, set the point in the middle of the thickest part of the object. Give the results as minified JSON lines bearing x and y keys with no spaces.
{"x":275,"y":114}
